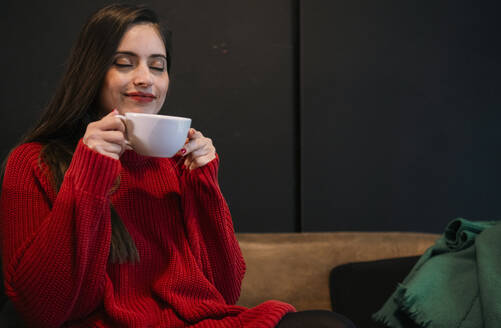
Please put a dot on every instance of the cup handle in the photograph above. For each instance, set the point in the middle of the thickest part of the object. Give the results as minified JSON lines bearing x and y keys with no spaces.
{"x":124,"y":120}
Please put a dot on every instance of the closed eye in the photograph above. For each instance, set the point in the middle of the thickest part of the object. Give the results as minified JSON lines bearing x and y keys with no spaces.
{"x":123,"y":65}
{"x":160,"y":69}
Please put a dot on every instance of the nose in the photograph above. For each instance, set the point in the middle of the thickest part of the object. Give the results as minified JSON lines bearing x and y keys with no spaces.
{"x":143,"y":76}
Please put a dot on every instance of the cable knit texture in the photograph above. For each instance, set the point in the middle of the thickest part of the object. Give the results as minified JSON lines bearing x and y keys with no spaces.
{"x":55,"y":246}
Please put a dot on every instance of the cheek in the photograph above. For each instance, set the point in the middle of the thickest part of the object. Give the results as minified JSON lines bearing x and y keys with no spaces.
{"x":111,"y":91}
{"x":115,"y":83}
{"x":163,"y":86}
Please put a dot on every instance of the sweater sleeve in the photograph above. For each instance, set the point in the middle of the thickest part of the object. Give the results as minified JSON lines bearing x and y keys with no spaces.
{"x":55,"y":249}
{"x":210,"y":228}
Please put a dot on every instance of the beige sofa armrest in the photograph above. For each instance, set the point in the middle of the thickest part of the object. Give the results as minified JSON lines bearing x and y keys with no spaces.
{"x":294,"y":267}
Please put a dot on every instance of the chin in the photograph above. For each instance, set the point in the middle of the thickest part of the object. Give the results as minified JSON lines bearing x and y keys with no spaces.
{"x":141,"y":110}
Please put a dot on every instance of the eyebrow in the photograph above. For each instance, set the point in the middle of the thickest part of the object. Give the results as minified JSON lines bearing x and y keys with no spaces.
{"x":130,"y":53}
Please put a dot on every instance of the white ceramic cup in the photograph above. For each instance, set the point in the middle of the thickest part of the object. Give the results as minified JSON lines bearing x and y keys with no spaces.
{"x":155,"y":135}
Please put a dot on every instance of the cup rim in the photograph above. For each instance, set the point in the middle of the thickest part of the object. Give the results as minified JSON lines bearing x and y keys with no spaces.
{"x":165,"y":117}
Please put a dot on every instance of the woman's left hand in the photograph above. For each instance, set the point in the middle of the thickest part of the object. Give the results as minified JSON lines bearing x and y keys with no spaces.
{"x":198,"y":150}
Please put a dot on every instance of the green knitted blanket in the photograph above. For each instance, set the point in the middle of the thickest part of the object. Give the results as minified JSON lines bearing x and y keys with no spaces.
{"x":455,"y":284}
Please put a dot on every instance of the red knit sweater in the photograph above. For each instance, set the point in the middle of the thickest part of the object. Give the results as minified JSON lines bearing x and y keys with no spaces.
{"x":55,"y":246}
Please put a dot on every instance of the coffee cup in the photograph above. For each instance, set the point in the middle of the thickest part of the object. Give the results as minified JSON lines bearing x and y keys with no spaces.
{"x":155,"y":135}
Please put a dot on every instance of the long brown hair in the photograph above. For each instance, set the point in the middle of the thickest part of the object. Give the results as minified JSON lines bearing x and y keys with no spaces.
{"x":74,"y":106}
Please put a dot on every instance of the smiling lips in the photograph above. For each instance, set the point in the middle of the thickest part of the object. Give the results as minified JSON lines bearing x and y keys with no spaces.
{"x":141,"y":96}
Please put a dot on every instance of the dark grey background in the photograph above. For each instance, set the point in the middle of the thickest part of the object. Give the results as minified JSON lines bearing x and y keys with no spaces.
{"x":328,"y":115}
{"x":401,"y":114}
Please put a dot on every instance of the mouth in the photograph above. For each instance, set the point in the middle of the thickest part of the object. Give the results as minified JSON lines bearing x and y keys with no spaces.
{"x":141,"y":96}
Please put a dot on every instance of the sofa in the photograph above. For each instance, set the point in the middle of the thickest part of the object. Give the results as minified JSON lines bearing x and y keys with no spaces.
{"x":351,"y":273}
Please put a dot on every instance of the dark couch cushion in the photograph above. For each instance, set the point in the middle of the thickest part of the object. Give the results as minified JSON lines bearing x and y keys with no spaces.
{"x":359,"y":289}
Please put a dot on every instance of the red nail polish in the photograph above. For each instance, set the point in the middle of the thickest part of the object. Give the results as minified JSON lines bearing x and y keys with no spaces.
{"x":183,"y":151}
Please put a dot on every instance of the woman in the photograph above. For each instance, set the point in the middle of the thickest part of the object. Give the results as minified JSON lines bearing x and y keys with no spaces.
{"x":95,"y":235}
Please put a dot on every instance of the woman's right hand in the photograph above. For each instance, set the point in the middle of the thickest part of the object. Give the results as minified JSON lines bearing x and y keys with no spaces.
{"x":107,"y":136}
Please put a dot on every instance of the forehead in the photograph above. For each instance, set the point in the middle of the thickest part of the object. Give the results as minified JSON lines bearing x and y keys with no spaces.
{"x":142,"y":39}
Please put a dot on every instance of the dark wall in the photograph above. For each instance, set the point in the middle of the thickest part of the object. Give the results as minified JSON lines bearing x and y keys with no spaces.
{"x":328,"y":115}
{"x":235,"y":76}
{"x":401,"y":111}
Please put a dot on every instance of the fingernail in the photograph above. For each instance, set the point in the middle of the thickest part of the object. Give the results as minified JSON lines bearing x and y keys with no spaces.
{"x":183,"y":151}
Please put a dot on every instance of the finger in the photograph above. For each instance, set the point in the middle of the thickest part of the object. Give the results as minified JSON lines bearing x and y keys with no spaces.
{"x":196,"y":163}
{"x":112,"y":148}
{"x":205,"y":150}
{"x":187,"y":162}
{"x":201,"y":161}
{"x":114,"y":140}
{"x":182,"y":151}
{"x":117,"y":137}
{"x":116,"y":123}
{"x":194,"y":134}
{"x":127,"y":147}
{"x":113,"y":136}
{"x":193,"y":145}
{"x":124,"y":148}
{"x":111,"y":122}
{"x":107,"y":149}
